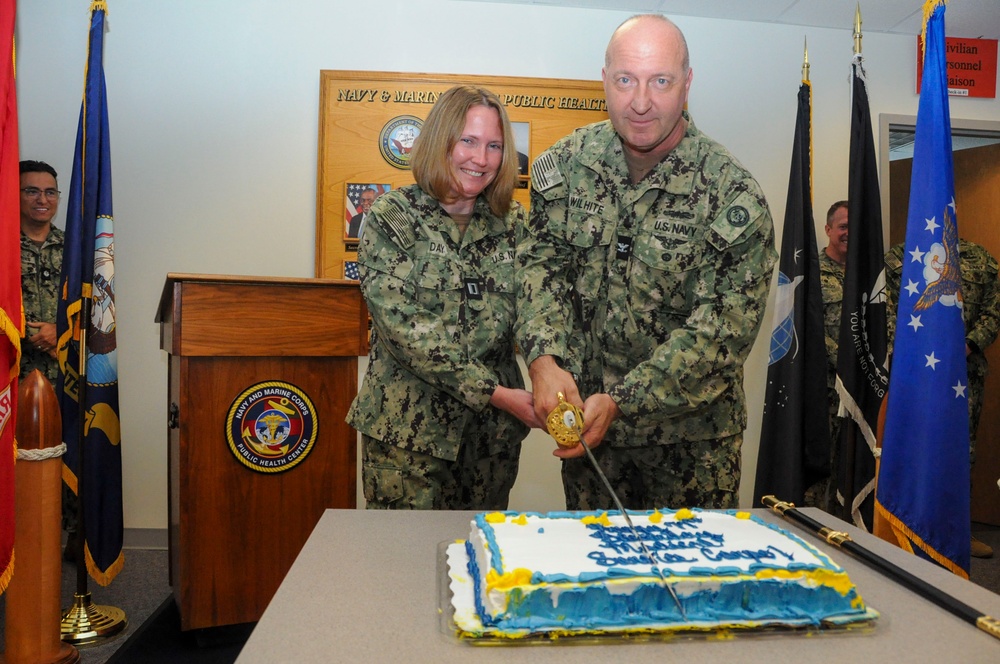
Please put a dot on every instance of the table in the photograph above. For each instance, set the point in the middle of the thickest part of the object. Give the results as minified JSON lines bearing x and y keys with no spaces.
{"x":365,"y":589}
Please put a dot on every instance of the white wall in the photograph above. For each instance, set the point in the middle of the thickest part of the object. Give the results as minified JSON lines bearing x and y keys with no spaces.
{"x":214,"y":110}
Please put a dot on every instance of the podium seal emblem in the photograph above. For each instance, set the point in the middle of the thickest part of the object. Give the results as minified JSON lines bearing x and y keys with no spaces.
{"x":271,"y":427}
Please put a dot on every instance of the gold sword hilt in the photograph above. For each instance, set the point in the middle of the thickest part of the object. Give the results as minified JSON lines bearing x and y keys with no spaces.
{"x":565,"y":423}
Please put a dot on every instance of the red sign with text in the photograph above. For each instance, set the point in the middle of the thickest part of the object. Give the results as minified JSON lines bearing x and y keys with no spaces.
{"x":972,"y":66}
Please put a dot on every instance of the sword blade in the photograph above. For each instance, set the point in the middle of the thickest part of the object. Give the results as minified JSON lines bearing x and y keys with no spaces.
{"x":635,"y":533}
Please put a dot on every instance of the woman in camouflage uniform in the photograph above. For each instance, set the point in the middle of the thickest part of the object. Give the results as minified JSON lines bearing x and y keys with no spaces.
{"x":442,"y":410}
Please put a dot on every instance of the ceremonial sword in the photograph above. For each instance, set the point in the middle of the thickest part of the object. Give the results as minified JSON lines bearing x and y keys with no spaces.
{"x":565,"y":424}
{"x":842,"y":540}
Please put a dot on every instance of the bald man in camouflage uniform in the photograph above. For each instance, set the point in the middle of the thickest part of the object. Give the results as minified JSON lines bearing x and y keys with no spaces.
{"x":981,"y":313}
{"x":643,"y":274}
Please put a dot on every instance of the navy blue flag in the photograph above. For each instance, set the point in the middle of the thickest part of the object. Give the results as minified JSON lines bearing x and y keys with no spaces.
{"x":91,"y":429}
{"x":795,"y":434}
{"x":862,"y":372}
{"x":923,"y":487}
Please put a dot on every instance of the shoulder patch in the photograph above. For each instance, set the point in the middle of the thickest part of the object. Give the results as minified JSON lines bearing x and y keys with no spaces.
{"x":735,"y":218}
{"x":738,"y":215}
{"x":397,"y":224}
{"x":544,"y":172}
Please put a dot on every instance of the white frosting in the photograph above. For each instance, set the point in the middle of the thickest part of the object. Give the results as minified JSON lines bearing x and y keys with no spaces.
{"x":567,"y":546}
{"x":704,"y":556}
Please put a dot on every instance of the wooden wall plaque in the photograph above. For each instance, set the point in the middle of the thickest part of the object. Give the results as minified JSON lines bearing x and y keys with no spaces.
{"x":367,"y":119}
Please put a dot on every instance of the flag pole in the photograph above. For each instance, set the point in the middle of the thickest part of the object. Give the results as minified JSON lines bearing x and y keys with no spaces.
{"x":805,"y":60}
{"x":842,"y":540}
{"x":85,"y":622}
{"x":857,"y":30}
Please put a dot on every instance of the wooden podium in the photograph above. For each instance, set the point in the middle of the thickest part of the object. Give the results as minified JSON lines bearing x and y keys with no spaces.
{"x":245,"y":495}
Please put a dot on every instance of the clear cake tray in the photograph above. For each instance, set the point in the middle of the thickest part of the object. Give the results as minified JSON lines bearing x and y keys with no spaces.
{"x":458,"y":618}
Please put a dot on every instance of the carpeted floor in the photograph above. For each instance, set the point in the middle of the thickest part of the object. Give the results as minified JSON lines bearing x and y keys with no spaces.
{"x":141,"y":590}
{"x":986,"y":571}
{"x":138,"y":590}
{"x":153,"y":634}
{"x":160,"y":641}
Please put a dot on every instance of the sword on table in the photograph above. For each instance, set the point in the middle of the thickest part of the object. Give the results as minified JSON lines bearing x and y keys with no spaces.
{"x":565,"y":424}
{"x":842,"y":540}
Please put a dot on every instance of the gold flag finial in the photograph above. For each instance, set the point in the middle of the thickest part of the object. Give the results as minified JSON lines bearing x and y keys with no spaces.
{"x":805,"y":60}
{"x":857,"y":30}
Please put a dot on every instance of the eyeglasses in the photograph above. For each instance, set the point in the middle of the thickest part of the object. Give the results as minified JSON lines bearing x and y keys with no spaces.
{"x":35,"y":192}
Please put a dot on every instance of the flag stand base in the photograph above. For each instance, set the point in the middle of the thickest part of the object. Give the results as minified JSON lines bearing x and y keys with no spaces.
{"x":86,"y":623}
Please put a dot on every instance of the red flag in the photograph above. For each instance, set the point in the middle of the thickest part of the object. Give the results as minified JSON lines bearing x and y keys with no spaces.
{"x":11,"y":315}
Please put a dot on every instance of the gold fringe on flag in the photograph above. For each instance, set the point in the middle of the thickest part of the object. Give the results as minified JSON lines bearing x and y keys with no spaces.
{"x":106,"y":577}
{"x":929,"y":7}
{"x":9,"y":572}
{"x":906,"y":538}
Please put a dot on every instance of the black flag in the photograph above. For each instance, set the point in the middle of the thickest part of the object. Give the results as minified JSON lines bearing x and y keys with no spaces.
{"x":862,"y":374}
{"x":795,"y":435}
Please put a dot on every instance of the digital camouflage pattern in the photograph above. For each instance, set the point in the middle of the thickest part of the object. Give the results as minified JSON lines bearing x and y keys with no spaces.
{"x":41,"y":269}
{"x":980,"y":311}
{"x":651,"y":292}
{"x":831,"y":280}
{"x":705,"y":473}
{"x":395,"y":478}
{"x":442,"y":308}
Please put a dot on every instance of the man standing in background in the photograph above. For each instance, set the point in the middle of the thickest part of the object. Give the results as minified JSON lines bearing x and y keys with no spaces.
{"x":832,"y":261}
{"x":41,"y":267}
{"x":41,"y":270}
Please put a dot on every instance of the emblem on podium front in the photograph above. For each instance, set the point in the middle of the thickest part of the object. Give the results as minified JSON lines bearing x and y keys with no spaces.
{"x":271,"y":427}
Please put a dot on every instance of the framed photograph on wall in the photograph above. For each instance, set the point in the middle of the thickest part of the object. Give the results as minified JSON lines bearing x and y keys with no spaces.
{"x":358,"y":201}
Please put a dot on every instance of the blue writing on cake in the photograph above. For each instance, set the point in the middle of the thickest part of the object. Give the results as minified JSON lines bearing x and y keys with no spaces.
{"x":667,"y":542}
{"x":770,"y":553}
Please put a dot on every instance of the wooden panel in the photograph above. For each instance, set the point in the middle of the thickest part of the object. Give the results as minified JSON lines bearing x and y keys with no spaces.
{"x":175,"y":372}
{"x":356,"y":106}
{"x":238,"y":530}
{"x":265,"y":320}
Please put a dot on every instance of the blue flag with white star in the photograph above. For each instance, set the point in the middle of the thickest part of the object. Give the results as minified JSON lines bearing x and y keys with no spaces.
{"x":923,"y":484}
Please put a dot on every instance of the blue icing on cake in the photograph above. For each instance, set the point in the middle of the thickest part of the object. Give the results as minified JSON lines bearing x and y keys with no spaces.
{"x":573,"y":570}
